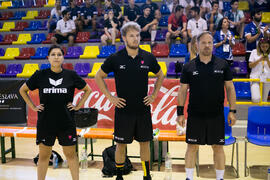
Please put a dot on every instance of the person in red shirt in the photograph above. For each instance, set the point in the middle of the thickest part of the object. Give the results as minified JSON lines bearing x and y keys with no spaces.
{"x":177,"y":25}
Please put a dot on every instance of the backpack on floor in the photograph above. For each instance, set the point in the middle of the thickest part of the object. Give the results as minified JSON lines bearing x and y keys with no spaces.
{"x":35,"y":159}
{"x":109,"y":169}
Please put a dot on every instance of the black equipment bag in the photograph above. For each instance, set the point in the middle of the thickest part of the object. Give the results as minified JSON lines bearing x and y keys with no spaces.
{"x":60,"y":159}
{"x":86,"y":117}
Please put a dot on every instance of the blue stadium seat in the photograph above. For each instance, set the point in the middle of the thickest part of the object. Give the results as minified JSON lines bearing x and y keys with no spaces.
{"x":64,"y":2}
{"x":45,"y":66}
{"x":18,"y":15}
{"x":163,"y":21}
{"x":226,"y":6}
{"x":106,"y":51}
{"x":33,"y":26}
{"x":242,"y":90}
{"x":41,"y":53}
{"x":178,"y":50}
{"x":164,"y":9}
{"x":16,"y":4}
{"x":37,"y":38}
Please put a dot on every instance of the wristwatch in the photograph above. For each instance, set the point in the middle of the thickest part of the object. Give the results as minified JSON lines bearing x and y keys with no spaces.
{"x":233,"y":110}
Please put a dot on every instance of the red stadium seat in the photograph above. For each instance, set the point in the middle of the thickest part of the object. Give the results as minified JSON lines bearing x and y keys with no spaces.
{"x":239,"y":49}
{"x":20,"y":25}
{"x":68,"y":66}
{"x":2,"y":68}
{"x":6,"y":15}
{"x":48,"y":39}
{"x":248,"y":18}
{"x":161,"y":50}
{"x":82,"y":37}
{"x":64,"y":49}
{"x":8,"y":39}
{"x":40,"y":3}
{"x":26,"y":53}
{"x":43,"y":14}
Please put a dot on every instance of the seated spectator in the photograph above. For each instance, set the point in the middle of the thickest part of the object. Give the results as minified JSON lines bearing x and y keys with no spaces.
{"x":236,"y":18}
{"x":131,"y":11}
{"x":177,"y":25}
{"x":116,"y":10}
{"x":193,"y":49}
{"x":213,"y":17}
{"x":187,"y":4}
{"x":196,"y":25}
{"x":111,"y":28}
{"x":259,"y":62}
{"x":264,"y":5}
{"x":148,"y":25}
{"x":65,"y":30}
{"x":75,"y":12}
{"x":255,"y":31}
{"x":206,"y":6}
{"x":171,"y":4}
{"x":153,"y":6}
{"x":57,"y":13}
{"x":88,"y":16}
{"x":224,"y":41}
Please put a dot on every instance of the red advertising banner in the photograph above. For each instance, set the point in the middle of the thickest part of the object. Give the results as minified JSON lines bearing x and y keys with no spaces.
{"x":163,"y":109}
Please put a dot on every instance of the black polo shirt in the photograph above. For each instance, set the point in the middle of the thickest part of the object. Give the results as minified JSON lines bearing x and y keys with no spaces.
{"x":131,"y":76}
{"x":143,"y":21}
{"x":132,"y":13}
{"x":206,"y":84}
{"x":108,"y":24}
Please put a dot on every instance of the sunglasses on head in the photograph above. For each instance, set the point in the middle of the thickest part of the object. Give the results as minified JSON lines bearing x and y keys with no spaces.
{"x":197,"y":26}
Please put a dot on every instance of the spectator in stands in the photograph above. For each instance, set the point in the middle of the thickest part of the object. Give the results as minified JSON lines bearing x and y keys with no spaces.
{"x":171,"y":4}
{"x":255,"y":31}
{"x":213,"y":17}
{"x":187,"y":4}
{"x":153,"y":6}
{"x":88,"y":16}
{"x":65,"y":30}
{"x":111,"y":28}
{"x":236,"y":18}
{"x":57,"y":13}
{"x":148,"y":25}
{"x":131,"y":11}
{"x":116,"y":10}
{"x":264,"y":5}
{"x":177,"y":25}
{"x":196,"y":25}
{"x":224,"y":41}
{"x":75,"y":12}
{"x":259,"y":62}
{"x":193,"y":49}
{"x":206,"y":6}
{"x":56,"y":111}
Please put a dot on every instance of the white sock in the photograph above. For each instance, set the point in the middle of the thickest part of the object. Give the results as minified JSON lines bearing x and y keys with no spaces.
{"x":219,"y":174}
{"x":189,"y":173}
{"x":153,"y":35}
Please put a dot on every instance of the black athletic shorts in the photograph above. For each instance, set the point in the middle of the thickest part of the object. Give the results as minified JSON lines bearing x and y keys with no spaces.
{"x":61,"y":38}
{"x":135,"y":125}
{"x":205,"y":129}
{"x":65,"y":138}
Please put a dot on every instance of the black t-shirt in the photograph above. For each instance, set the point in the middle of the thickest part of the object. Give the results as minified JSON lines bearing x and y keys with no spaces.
{"x":88,"y":12}
{"x":131,"y":77}
{"x":206,"y":84}
{"x":143,"y":21}
{"x":74,"y":12}
{"x":153,"y":7}
{"x":132,"y":13}
{"x":56,"y":90}
{"x":116,"y":9}
{"x":108,"y":24}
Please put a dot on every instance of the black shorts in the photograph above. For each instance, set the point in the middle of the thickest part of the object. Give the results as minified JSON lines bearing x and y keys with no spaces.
{"x":145,"y":35}
{"x":205,"y":129}
{"x":65,"y":138}
{"x":129,"y":126}
{"x":61,"y":38}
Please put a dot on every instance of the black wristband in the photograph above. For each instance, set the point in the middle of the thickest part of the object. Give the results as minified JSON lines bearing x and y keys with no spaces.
{"x":180,"y":110}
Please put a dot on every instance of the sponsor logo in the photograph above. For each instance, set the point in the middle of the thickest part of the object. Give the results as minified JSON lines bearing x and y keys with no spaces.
{"x":122,"y":67}
{"x":54,"y":90}
{"x":192,"y":140}
{"x":144,"y":67}
{"x":55,"y":82}
{"x":142,"y":62}
{"x":8,"y":96}
{"x":194,"y":73}
{"x":218,"y":71}
{"x":74,"y":140}
{"x":221,"y":141}
{"x":119,"y":138}
{"x":2,"y":101}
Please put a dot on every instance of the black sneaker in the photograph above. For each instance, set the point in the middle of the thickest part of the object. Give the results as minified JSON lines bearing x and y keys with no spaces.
{"x":119,"y":178}
{"x":187,"y":178}
{"x":147,"y":178}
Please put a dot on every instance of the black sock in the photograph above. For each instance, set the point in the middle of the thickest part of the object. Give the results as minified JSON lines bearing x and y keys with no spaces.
{"x":119,"y":169}
{"x":145,"y":167}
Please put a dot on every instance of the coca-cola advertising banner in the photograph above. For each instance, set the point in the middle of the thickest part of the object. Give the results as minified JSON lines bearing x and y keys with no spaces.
{"x":163,"y":109}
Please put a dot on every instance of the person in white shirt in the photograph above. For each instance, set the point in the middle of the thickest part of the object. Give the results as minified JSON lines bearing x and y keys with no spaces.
{"x":57,"y":13}
{"x":65,"y":30}
{"x":259,"y":62}
{"x":187,"y":4}
{"x":196,"y":25}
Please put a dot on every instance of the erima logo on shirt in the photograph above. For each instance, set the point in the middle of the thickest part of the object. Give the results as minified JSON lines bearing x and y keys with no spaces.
{"x":122,"y":67}
{"x":54,"y":90}
{"x":144,"y":67}
{"x":195,"y":73}
{"x":218,"y":71}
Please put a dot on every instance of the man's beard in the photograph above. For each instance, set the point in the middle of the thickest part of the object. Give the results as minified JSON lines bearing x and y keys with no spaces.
{"x":206,"y":52}
{"x":132,"y":47}
{"x":258,"y":19}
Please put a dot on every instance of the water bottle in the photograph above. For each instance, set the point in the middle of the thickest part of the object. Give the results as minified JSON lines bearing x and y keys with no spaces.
{"x":268,"y":173}
{"x":84,"y":163}
{"x":168,"y":167}
{"x":55,"y":161}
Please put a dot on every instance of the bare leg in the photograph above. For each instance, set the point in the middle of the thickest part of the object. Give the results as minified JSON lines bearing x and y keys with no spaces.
{"x":72,"y":159}
{"x":43,"y":161}
{"x":219,"y":157}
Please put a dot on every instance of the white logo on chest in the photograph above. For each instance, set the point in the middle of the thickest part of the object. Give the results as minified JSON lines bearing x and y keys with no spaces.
{"x":218,"y":71}
{"x":194,"y":73}
{"x":55,"y":82}
{"x":122,"y":67}
{"x":54,"y":90}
